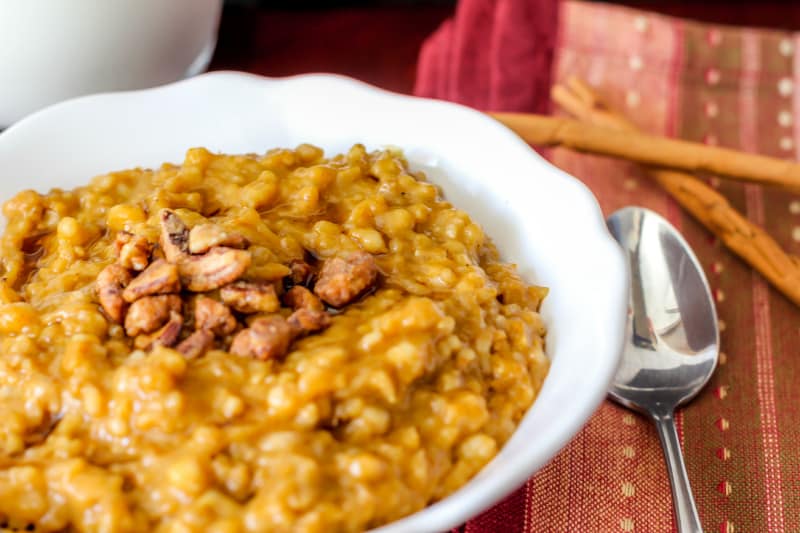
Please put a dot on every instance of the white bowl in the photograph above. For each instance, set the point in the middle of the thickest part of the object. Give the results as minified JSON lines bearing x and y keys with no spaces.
{"x":540,"y":218}
{"x":50,"y":51}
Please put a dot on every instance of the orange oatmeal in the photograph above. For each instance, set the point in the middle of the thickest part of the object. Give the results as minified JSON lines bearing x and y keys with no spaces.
{"x":246,"y":343}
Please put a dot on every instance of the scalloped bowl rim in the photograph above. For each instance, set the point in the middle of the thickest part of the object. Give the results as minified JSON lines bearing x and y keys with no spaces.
{"x":561,"y":242}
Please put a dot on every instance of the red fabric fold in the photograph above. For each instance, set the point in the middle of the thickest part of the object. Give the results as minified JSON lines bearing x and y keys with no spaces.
{"x":495,"y":55}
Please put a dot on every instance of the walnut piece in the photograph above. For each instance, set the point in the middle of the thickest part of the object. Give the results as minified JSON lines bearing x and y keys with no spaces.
{"x":110,"y":285}
{"x":210,"y":315}
{"x":250,"y":297}
{"x":133,"y":251}
{"x":266,"y":338}
{"x":166,"y":336}
{"x":174,"y":238}
{"x":298,"y":297}
{"x":306,"y":320}
{"x":203,"y":237}
{"x":302,"y":273}
{"x":147,"y":314}
{"x":158,"y":278}
{"x":343,"y":279}
{"x":196,"y":344}
{"x":217,"y":267}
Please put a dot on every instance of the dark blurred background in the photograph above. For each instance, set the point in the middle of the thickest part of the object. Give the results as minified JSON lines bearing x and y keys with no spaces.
{"x":378,"y":40}
{"x":321,"y":4}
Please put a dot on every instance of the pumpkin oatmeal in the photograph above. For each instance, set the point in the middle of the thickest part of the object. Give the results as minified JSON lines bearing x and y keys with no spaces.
{"x":243,"y":343}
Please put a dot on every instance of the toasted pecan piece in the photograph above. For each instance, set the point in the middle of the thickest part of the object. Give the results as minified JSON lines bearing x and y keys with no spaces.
{"x":266,"y":338}
{"x":196,"y":344}
{"x":147,"y":314}
{"x":215,"y":268}
{"x":133,"y":251}
{"x":166,"y":336}
{"x":110,"y":285}
{"x":213,"y":316}
{"x":203,"y":237}
{"x":343,"y":279}
{"x":306,"y":320}
{"x":302,"y":273}
{"x":158,"y":278}
{"x":174,"y":238}
{"x":298,"y":297}
{"x":250,"y":297}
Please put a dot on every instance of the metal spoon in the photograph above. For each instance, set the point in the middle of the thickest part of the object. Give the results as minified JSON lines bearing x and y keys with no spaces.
{"x":672,"y":337}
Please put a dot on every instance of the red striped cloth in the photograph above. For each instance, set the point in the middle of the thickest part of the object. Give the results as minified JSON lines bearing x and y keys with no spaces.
{"x":732,"y":86}
{"x":493,"y":55}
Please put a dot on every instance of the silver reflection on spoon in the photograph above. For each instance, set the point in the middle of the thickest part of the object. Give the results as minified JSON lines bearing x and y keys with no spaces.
{"x":672,"y":337}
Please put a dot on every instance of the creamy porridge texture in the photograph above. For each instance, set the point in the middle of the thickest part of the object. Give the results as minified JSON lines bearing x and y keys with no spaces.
{"x":243,"y":343}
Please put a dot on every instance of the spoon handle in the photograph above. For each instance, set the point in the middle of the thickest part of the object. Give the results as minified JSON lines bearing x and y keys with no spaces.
{"x":685,"y":510}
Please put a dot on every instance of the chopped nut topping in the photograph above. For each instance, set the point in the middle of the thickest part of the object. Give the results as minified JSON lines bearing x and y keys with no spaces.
{"x":174,"y":236}
{"x":158,"y":278}
{"x":306,"y":320}
{"x":196,"y":344}
{"x":298,"y":297}
{"x":203,"y":237}
{"x":166,"y":336}
{"x":266,"y":338}
{"x":302,"y":272}
{"x":150,"y":313}
{"x":343,"y":279}
{"x":111,"y":283}
{"x":133,"y":251}
{"x":217,"y":267}
{"x":150,"y":305}
{"x":250,"y":297}
{"x":213,"y":316}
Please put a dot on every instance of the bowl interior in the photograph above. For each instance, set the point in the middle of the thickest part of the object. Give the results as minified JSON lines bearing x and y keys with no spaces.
{"x":543,"y":220}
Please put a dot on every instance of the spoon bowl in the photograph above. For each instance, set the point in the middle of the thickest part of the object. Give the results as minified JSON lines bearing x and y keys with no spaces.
{"x":672,"y":336}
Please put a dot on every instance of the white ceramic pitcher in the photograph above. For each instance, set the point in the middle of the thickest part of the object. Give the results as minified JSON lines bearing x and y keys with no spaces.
{"x":51,"y":50}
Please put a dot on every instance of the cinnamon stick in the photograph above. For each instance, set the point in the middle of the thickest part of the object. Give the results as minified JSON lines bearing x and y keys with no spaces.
{"x":652,"y":150}
{"x":707,"y":206}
